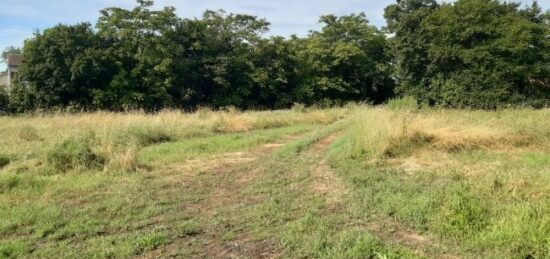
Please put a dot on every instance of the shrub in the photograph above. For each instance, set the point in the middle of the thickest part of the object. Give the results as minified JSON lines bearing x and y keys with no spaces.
{"x":22,"y":98}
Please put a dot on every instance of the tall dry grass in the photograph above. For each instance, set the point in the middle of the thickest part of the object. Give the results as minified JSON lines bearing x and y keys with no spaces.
{"x":117,"y":137}
{"x":477,"y":178}
{"x":382,"y":132}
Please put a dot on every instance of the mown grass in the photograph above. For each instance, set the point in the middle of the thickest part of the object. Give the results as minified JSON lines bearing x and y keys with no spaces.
{"x":473,"y":183}
{"x":207,"y":147}
{"x":74,"y":185}
{"x":305,"y":225}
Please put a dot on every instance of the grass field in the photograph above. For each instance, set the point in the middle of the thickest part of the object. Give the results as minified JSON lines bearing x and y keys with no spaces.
{"x":352,"y":182}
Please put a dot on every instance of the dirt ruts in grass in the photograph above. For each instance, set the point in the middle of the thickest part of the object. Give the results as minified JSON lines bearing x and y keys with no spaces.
{"x":226,"y":175}
{"x":240,"y":169}
{"x":219,"y":164}
{"x":325,"y":182}
{"x":331,"y":186}
{"x":231,"y":173}
{"x":227,"y":197}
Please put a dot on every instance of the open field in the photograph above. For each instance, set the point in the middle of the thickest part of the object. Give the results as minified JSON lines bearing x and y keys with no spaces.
{"x":352,"y":182}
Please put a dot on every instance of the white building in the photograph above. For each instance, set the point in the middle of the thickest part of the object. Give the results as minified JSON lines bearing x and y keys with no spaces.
{"x":13,"y":62}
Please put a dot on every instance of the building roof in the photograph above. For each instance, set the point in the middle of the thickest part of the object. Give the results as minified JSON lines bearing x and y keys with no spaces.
{"x":14,"y":60}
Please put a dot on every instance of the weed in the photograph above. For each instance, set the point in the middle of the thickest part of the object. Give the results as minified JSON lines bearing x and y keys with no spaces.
{"x":150,"y":241}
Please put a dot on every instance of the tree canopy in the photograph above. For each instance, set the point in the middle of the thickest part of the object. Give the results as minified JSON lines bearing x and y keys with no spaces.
{"x":470,"y":53}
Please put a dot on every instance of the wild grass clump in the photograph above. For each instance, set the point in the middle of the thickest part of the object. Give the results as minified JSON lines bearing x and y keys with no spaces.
{"x":298,"y":107}
{"x":374,"y":130}
{"x":118,"y":137}
{"x":12,"y":181}
{"x":146,"y":135}
{"x":149,"y":242}
{"x":13,"y":249}
{"x":382,"y":132}
{"x":74,"y":154}
{"x":231,"y":122}
{"x":120,"y":146}
{"x":4,"y":160}
{"x":476,"y":178}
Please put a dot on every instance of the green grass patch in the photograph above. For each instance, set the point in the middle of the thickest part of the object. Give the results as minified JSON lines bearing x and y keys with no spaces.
{"x":208,"y":146}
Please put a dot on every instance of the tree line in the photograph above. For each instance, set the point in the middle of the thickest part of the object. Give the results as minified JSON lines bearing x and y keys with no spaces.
{"x":470,"y":53}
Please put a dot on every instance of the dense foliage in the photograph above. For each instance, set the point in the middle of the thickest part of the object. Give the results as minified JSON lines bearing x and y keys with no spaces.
{"x":471,"y":53}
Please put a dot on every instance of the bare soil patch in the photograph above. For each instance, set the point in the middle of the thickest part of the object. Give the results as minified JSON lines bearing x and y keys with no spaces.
{"x":244,"y":247}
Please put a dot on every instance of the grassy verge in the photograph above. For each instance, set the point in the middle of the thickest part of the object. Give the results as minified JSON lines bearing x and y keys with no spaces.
{"x":478,"y":179}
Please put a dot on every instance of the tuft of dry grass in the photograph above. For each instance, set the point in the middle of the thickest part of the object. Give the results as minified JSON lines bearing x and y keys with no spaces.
{"x":381,"y":132}
{"x":452,"y":139}
{"x":232,"y":123}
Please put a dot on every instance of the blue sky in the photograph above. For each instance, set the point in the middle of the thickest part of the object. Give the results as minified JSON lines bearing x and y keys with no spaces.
{"x":18,"y":18}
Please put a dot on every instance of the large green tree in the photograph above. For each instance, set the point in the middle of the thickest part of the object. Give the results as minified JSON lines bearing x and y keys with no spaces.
{"x":275,"y":73}
{"x":62,"y":65}
{"x":484,"y":54}
{"x":470,"y":53}
{"x":210,"y":60}
{"x":408,"y":44}
{"x":142,"y":57}
{"x":230,"y":39}
{"x":347,"y":61}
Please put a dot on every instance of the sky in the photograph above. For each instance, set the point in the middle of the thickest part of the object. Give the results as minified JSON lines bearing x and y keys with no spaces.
{"x":19,"y":18}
